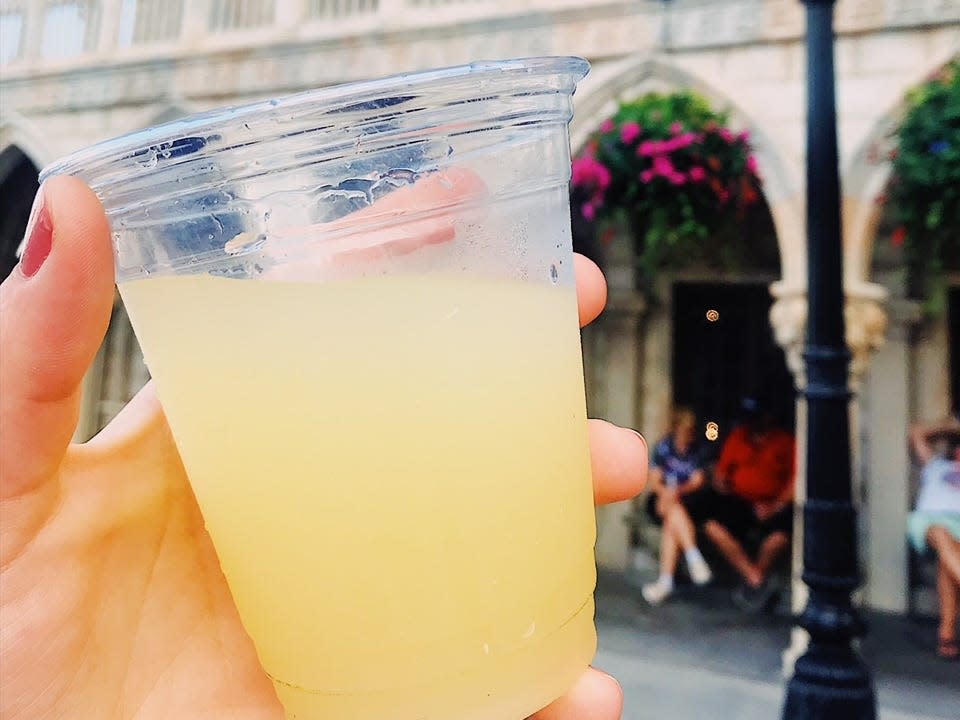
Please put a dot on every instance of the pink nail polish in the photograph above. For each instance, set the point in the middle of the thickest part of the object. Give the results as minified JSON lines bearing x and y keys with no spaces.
{"x":39,"y":237}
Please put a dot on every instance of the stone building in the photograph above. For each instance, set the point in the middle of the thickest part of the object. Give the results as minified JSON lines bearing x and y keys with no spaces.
{"x":73,"y":72}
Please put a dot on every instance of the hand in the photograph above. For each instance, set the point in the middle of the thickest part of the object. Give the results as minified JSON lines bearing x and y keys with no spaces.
{"x":766,"y":510}
{"x":722,"y":484}
{"x":111,"y":598}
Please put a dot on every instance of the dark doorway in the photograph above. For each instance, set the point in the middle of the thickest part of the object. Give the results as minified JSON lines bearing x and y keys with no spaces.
{"x":723,"y":349}
{"x":18,"y":186}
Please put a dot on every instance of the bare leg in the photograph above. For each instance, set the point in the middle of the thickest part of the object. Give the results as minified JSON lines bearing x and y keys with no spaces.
{"x":948,"y":591}
{"x":669,"y":549}
{"x":682,"y":527}
{"x":772,"y":547}
{"x":948,"y":550}
{"x":733,"y":551}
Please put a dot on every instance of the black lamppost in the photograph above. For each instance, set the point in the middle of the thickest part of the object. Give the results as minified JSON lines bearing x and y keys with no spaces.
{"x":830,"y":681}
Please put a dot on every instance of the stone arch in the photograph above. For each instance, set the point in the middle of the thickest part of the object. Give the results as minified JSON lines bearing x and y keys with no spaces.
{"x":865,"y":177}
{"x":16,"y":130}
{"x":18,"y":186}
{"x":634,"y":76}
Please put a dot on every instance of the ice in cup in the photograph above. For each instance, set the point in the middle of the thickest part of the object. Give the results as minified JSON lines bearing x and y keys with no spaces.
{"x":358,"y":307}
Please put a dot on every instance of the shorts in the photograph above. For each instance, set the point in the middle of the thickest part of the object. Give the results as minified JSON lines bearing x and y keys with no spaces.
{"x":736,"y":514}
{"x":920,"y":521}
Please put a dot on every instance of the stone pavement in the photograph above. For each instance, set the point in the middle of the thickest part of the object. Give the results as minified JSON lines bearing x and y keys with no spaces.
{"x":698,"y":657}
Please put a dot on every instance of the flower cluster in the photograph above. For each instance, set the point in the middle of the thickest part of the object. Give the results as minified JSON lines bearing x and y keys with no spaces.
{"x":923,"y":195}
{"x":669,"y":168}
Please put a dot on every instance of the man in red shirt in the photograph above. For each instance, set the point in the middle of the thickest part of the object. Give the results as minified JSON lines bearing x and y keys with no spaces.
{"x":752,"y":494}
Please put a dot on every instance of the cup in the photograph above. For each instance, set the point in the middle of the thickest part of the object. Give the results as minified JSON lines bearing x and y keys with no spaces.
{"x":358,"y":308}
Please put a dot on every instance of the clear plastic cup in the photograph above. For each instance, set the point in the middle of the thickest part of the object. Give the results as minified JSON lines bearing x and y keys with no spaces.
{"x":358,"y":307}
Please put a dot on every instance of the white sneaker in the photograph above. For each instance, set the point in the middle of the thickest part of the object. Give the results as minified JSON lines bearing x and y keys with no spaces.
{"x":656,"y":592}
{"x":700,"y":573}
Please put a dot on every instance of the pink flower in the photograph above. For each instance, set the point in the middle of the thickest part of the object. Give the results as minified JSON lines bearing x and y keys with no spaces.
{"x":589,"y":211}
{"x":590,"y":173}
{"x":676,"y":128}
{"x":744,"y":136}
{"x":648,"y":147}
{"x":726,"y":135}
{"x":663,"y":166}
{"x":679,"y":142}
{"x":647,"y":175}
{"x":752,"y":165}
{"x":607,"y":126}
{"x":677,"y":178}
{"x":629,"y":133}
{"x":698,"y":174}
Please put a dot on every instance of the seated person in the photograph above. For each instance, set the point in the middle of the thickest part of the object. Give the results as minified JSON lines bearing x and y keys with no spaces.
{"x":676,"y":471}
{"x":752,"y":494}
{"x":935,"y":523}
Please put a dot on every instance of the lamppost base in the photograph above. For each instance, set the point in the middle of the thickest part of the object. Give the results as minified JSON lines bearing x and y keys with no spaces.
{"x":830,"y":684}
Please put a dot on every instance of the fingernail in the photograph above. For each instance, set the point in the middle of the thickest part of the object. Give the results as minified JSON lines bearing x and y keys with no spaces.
{"x":39,"y":238}
{"x":642,"y":438}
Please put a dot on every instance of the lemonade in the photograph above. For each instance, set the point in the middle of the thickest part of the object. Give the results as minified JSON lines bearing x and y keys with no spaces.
{"x":396,"y":477}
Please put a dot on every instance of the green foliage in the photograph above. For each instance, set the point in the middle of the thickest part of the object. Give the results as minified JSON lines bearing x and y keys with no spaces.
{"x":924,"y":192}
{"x":667,"y":167}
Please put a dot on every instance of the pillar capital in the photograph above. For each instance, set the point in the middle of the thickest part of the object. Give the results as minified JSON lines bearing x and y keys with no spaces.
{"x":865,"y":317}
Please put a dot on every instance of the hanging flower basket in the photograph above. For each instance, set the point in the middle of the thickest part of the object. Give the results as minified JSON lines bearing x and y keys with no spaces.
{"x":669,"y":169}
{"x":923,"y":196}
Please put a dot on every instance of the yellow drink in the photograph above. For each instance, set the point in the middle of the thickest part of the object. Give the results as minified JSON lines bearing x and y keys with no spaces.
{"x":395,"y":474}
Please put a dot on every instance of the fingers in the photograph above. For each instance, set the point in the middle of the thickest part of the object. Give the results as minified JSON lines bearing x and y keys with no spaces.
{"x":141,"y":418}
{"x":596,"y":696}
{"x":618,"y":455}
{"x":404,"y":220}
{"x":591,"y":289}
{"x":619,"y":460}
{"x":54,"y":311}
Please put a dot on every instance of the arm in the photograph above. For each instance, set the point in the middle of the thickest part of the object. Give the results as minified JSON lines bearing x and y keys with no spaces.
{"x":723,"y":470}
{"x":787,"y":494}
{"x":696,"y":481}
{"x":655,"y":480}
{"x":921,"y":438}
{"x":767,"y":509}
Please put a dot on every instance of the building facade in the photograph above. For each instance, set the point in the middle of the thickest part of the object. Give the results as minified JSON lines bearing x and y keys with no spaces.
{"x":73,"y":72}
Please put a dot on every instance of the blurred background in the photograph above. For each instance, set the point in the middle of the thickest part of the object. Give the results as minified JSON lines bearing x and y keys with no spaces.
{"x":699,"y":316}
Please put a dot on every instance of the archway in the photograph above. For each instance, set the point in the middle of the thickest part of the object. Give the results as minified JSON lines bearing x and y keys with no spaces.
{"x":915,"y":374}
{"x":698,"y":336}
{"x":865,"y":178}
{"x":638,"y":75}
{"x":18,"y":186}
{"x":713,"y":361}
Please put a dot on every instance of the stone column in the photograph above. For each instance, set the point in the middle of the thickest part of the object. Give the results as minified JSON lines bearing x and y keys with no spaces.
{"x":865,"y":328}
{"x":617,"y":363}
{"x":621,"y":329}
{"x":35,"y":14}
{"x":109,"y":29}
{"x":196,"y":21}
{"x":886,"y":405}
{"x":290,"y":14}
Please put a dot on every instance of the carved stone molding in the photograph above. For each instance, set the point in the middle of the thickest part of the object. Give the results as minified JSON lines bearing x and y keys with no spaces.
{"x":865,"y":318}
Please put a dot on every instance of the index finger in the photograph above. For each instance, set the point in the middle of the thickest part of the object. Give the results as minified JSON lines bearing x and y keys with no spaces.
{"x":591,"y":289}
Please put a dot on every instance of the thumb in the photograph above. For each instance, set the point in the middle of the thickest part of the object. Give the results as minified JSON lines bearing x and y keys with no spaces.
{"x":54,"y":311}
